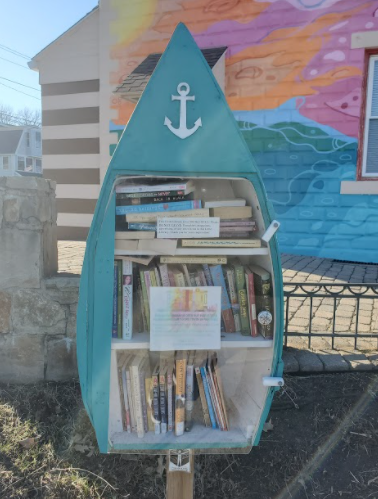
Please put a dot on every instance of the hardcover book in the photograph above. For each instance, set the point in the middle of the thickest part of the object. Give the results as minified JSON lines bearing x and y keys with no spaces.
{"x":242,"y":298}
{"x":159,"y":207}
{"x":218,"y":280}
{"x":249,"y":280}
{"x":221,"y":243}
{"x":180,"y":393}
{"x":127,"y":300}
{"x":187,"y":187}
{"x":264,"y":300}
{"x":152,"y":217}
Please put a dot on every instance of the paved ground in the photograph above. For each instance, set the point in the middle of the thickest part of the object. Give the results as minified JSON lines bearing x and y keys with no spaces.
{"x":305,"y":270}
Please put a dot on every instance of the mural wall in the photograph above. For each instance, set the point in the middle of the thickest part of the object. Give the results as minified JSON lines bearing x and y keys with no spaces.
{"x":295,"y":86}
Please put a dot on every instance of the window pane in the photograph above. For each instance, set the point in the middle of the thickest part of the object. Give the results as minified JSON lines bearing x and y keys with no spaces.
{"x":38,"y":139}
{"x":29,"y":164}
{"x":372,"y":148}
{"x":5,"y":163}
{"x":21,"y":164}
{"x":374,"y":102}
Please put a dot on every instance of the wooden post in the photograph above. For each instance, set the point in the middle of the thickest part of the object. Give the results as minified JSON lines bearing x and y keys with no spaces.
{"x":180,"y":485}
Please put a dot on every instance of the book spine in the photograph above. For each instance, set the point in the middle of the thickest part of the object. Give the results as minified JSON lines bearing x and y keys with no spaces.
{"x":157,"y":277}
{"x":239,"y":235}
{"x":127,"y":300}
{"x":131,"y":401}
{"x":218,"y":280}
{"x":180,"y":397}
{"x":122,"y":398}
{"x":160,"y":207}
{"x":208,"y":398}
{"x":126,"y":399}
{"x":115,"y":302}
{"x":135,"y":387}
{"x":130,"y":189}
{"x":186,"y":274}
{"x":141,"y":226}
{"x":170,"y":400}
{"x":163,"y":268}
{"x":189,"y":397}
{"x":148,"y":389}
{"x":243,"y":300}
{"x":213,"y":400}
{"x":205,"y":410}
{"x":213,"y":260}
{"x":145,"y":301}
{"x":218,"y":382}
{"x":237,"y":228}
{"x":164,"y":194}
{"x":202,"y":277}
{"x":163,"y":403}
{"x":119,"y":300}
{"x":156,"y":403}
{"x":142,"y":383}
{"x":147,"y":280}
{"x":208,"y":277}
{"x":171,"y":277}
{"x":249,"y":278}
{"x":153,"y":282}
{"x":220,"y":243}
{"x":216,"y":398}
{"x":151,"y":217}
{"x":238,"y":223}
{"x":179,"y":280}
{"x":265,"y":316}
{"x":231,"y":287}
{"x":136,"y":201}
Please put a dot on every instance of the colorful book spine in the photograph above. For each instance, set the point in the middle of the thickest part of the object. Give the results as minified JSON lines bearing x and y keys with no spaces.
{"x":119,"y":301}
{"x":147,"y":280}
{"x":138,"y":188}
{"x":170,"y":401}
{"x":151,"y":217}
{"x":148,"y":389}
{"x":164,"y":276}
{"x":180,"y":396}
{"x":163,"y":401}
{"x":156,"y":401}
{"x":179,"y":279}
{"x":141,"y":226}
{"x":243,"y":299}
{"x":127,"y":300}
{"x":221,"y":243}
{"x":142,"y":381}
{"x":164,"y":194}
{"x":216,"y":399}
{"x":231,"y":288}
{"x":264,"y":300}
{"x":189,"y":397}
{"x":115,"y":302}
{"x":205,"y":409}
{"x":160,"y":207}
{"x":136,"y":393}
{"x":249,"y":279}
{"x":218,"y":280}
{"x":208,"y":277}
{"x":145,"y":301}
{"x":152,"y":200}
{"x":208,"y":398}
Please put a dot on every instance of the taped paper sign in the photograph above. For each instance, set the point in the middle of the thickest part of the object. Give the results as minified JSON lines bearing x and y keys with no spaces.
{"x":191,"y":227}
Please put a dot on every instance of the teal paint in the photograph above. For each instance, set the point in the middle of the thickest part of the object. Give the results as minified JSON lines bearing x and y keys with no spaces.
{"x":147,"y":147}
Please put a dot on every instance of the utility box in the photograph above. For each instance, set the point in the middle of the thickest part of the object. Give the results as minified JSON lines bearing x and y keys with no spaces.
{"x":180,"y":317}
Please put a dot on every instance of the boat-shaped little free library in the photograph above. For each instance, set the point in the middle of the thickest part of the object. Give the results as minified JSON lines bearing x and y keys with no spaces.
{"x":180,"y":317}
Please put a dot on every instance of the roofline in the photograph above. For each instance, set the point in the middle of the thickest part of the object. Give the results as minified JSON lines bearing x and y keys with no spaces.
{"x":33,"y":63}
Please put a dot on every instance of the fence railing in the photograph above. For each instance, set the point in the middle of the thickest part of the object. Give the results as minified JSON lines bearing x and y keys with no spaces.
{"x":331,"y":311}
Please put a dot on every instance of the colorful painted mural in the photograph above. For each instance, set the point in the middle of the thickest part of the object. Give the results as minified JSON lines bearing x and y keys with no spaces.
{"x":295,"y":87}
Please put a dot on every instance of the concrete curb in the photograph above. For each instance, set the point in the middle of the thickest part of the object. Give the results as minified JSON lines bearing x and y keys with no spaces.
{"x":307,"y":361}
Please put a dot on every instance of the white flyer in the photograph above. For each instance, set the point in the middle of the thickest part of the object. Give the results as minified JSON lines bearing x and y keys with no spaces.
{"x":185,"y":318}
{"x":191,"y":227}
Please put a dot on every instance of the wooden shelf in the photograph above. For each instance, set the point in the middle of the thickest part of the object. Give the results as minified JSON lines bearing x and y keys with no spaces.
{"x":228,"y":340}
{"x":199,"y":252}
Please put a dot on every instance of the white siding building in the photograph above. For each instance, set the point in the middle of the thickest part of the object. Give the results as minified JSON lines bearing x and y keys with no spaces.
{"x":20,"y":151}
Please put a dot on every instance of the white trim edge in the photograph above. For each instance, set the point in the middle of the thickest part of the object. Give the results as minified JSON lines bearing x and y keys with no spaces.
{"x":368,"y":187}
{"x":364,"y":40}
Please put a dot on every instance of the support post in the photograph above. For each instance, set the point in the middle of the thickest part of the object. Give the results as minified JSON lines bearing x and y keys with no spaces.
{"x":180,"y":484}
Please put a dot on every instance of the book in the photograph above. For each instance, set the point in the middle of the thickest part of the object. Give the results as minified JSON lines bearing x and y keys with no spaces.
{"x":264,"y":300}
{"x":127,"y":300}
{"x":234,"y":235}
{"x":207,"y":395}
{"x":141,"y":227}
{"x":156,"y":400}
{"x":163,"y":398}
{"x":143,"y":374}
{"x":231,"y":212}
{"x":239,"y":222}
{"x":186,"y":186}
{"x":179,"y":278}
{"x":136,"y":201}
{"x":229,"y":275}
{"x":136,"y":392}
{"x":126,"y":395}
{"x":145,"y":301}
{"x":205,"y":409}
{"x":189,"y":391}
{"x":126,"y":245}
{"x":235,"y":228}
{"x":148,"y":390}
{"x":152,"y":216}
{"x":215,"y":397}
{"x":170,"y":396}
{"x":218,"y":382}
{"x":130,"y":395}
{"x":213,"y":260}
{"x":221,"y":243}
{"x":167,"y":246}
{"x":164,"y":276}
{"x":242,"y":298}
{"x":119,"y":298}
{"x":115,"y":302}
{"x":218,"y":280}
{"x":249,"y":281}
{"x":159,"y":207}
{"x":136,"y":234}
{"x":207,"y":273}
{"x":224,"y":202}
{"x":164,"y":194}
{"x":180,"y":393}
{"x":186,"y":274}
{"x":120,"y":361}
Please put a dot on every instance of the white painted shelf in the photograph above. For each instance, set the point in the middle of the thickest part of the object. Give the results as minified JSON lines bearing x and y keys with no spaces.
{"x":199,"y":251}
{"x":228,"y":340}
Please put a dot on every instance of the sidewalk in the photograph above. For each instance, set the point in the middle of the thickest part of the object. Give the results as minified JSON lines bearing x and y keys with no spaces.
{"x":298,"y":358}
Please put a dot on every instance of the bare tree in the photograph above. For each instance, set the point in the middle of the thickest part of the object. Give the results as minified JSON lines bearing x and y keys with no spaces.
{"x":30,"y":116}
{"x":25,"y":116}
{"x":7,"y":116}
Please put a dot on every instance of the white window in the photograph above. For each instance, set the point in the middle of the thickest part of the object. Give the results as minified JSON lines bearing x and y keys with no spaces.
{"x":5,"y":162}
{"x":21,"y":163}
{"x":38,"y":165}
{"x":29,"y":165}
{"x":27,"y":139}
{"x":370,"y":152}
{"x":38,"y":139}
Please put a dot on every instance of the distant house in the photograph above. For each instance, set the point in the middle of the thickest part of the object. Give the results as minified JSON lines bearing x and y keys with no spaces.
{"x":20,"y":151}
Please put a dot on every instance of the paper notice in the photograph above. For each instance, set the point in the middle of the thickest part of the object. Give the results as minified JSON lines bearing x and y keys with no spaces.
{"x":191,"y":227}
{"x":185,"y":318}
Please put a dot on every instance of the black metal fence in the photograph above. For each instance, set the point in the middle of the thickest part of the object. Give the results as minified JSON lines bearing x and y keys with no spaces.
{"x":304,"y":315}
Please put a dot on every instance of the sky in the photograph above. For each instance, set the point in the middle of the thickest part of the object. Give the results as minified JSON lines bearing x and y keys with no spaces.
{"x":26,"y":27}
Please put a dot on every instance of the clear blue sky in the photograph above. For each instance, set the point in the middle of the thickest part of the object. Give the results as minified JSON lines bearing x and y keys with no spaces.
{"x":27,"y":26}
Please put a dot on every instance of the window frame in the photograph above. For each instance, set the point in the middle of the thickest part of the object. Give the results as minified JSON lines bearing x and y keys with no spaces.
{"x":38,"y":141}
{"x":24,"y":162}
{"x":371,"y":55}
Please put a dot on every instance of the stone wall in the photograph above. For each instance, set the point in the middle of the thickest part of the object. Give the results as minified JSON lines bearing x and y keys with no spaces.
{"x":37,"y":308}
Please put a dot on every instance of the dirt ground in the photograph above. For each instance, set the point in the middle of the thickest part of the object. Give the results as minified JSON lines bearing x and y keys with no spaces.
{"x":322,"y":443}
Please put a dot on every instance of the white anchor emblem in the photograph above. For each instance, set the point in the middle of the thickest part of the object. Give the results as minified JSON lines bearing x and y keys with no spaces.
{"x":182,"y":131}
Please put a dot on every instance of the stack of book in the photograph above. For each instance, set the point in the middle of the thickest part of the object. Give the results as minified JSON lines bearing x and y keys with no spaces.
{"x":246,"y":298}
{"x":138,"y":206}
{"x":163,"y":400}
